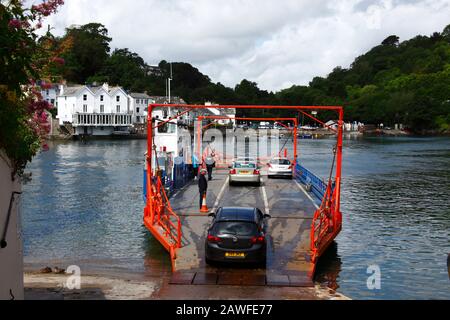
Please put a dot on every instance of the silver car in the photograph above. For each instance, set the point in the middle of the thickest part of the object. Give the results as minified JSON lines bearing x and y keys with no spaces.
{"x":244,"y":171}
{"x":279,"y":166}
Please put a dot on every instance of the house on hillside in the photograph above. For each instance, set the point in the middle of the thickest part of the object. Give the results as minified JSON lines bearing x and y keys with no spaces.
{"x":138,"y":105}
{"x":94,"y":110}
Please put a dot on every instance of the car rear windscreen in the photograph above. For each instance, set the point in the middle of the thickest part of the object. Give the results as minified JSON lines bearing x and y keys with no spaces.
{"x":280,"y":161}
{"x":236,"y":228}
{"x":245,"y":165}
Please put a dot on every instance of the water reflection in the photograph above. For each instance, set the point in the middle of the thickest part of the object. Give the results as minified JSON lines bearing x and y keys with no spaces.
{"x":329,"y":267}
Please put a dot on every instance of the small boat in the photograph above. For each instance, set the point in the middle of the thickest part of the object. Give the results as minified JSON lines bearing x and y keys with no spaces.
{"x":120,"y":133}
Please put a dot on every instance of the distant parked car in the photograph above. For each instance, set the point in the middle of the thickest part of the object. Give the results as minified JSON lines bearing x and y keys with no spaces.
{"x":237,"y":234}
{"x":244,"y":171}
{"x":279,"y":166}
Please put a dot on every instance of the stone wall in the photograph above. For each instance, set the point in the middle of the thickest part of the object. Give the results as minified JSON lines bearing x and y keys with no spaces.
{"x":11,"y":256}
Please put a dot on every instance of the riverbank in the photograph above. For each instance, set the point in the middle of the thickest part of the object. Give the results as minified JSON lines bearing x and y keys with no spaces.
{"x":50,"y":286}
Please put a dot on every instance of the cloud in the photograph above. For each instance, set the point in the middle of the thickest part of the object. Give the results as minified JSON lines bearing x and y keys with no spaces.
{"x":274,"y":43}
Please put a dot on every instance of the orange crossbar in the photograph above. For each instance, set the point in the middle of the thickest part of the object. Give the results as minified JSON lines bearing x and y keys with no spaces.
{"x":253,"y":119}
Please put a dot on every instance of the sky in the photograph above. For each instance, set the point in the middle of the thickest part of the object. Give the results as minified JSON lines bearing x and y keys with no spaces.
{"x":275,"y":43}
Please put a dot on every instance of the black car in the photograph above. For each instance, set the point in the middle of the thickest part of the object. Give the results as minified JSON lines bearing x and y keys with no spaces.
{"x":237,"y":235}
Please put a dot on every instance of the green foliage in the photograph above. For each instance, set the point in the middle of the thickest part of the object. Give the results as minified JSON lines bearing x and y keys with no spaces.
{"x":394,"y":82}
{"x":25,"y":58}
{"x":89,"y":51}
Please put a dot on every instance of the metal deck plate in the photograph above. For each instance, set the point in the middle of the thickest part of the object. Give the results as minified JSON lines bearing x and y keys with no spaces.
{"x":182,"y":278}
{"x":205,"y":278}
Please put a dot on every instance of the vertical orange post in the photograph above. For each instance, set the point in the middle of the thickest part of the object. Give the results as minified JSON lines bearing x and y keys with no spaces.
{"x":295,"y":141}
{"x":337,"y":213}
{"x":199,"y":138}
{"x":149,"y":161}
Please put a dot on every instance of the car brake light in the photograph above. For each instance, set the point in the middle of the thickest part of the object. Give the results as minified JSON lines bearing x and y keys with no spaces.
{"x":213,"y":238}
{"x":269,"y":165}
{"x":233,"y":171}
{"x":255,"y":171}
{"x":290,"y":167}
{"x":259,"y":239}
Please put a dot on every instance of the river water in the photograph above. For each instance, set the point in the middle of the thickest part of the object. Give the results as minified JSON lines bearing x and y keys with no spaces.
{"x":84,"y":206}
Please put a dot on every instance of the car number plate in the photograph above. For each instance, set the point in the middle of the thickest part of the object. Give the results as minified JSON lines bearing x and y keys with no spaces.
{"x":244,"y":172}
{"x":234,"y":255}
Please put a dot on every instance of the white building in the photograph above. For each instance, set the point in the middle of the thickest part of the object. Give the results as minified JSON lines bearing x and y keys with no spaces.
{"x":138,"y":106}
{"x":50,"y":95}
{"x":101,"y":110}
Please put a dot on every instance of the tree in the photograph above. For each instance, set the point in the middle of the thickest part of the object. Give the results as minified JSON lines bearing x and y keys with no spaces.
{"x":391,"y":41}
{"x":24,"y":72}
{"x":89,"y":51}
{"x":446,"y":33}
{"x":126,"y":69}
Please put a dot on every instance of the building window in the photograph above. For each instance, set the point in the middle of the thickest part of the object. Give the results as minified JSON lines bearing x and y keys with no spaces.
{"x":102,"y":108}
{"x":117,"y":98}
{"x":137,"y":110}
{"x":101,"y":98}
{"x":84,"y":97}
{"x":146,"y":101}
{"x":118,"y":108}
{"x":84,"y":107}
{"x":46,"y":91}
{"x":52,"y":101}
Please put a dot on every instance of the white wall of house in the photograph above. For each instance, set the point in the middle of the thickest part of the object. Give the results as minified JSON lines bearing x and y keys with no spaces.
{"x":11,"y":257}
{"x":66,"y":107}
{"x":119,"y":98}
{"x":50,"y":95}
{"x":85,"y":101}
{"x":102,"y":98}
{"x":138,"y":107}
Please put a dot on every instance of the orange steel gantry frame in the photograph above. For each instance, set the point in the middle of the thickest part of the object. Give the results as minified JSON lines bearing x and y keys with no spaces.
{"x":165,"y":225}
{"x":200,"y":128}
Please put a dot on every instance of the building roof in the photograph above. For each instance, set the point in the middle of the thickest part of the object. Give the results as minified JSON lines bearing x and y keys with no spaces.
{"x":75,"y":89}
{"x":138,"y":95}
{"x":72,"y":90}
{"x":164,"y":100}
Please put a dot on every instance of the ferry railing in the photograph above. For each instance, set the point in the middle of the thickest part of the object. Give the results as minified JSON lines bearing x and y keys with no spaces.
{"x":167,"y":218}
{"x":325,"y":224}
{"x":313,"y":183}
{"x":160,"y":219}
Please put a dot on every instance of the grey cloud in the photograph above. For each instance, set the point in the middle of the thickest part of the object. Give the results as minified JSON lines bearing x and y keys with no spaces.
{"x":274,"y":43}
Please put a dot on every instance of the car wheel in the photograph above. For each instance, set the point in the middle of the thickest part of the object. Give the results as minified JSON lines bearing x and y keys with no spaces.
{"x":230,"y":183}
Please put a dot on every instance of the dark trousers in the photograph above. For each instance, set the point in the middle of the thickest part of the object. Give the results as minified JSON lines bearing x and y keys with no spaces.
{"x":201,"y":198}
{"x":209,"y":169}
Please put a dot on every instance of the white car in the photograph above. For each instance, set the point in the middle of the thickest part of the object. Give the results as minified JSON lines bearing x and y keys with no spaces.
{"x":244,"y":171}
{"x":279,"y":166}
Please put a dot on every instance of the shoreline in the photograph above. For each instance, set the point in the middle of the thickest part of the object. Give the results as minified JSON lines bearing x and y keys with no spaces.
{"x":140,"y":286}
